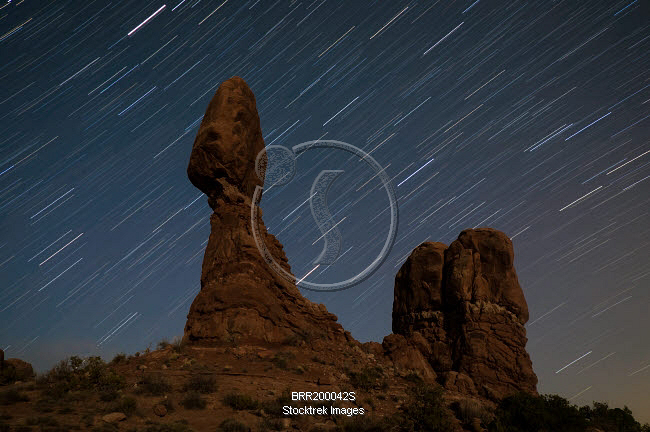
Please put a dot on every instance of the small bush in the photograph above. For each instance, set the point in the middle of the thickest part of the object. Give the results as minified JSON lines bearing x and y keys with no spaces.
{"x":426,"y":411}
{"x":468,"y":409}
{"x":154,"y":384}
{"x":193,"y":400}
{"x":270,"y":424}
{"x":413,"y":377}
{"x":281,"y":359}
{"x":177,"y":345}
{"x":368,"y":378}
{"x":274,"y":407}
{"x":523,"y":412}
{"x":232,"y":425}
{"x":201,"y":384}
{"x":298,"y":339}
{"x":168,"y":404}
{"x":119,"y":358}
{"x":126,"y":405}
{"x":76,"y":373}
{"x":108,"y":396}
{"x":12,"y":396}
{"x":240,"y":402}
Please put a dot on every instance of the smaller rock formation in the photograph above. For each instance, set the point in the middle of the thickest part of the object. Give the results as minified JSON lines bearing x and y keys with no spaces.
{"x":460,"y":309}
{"x":14,"y":369}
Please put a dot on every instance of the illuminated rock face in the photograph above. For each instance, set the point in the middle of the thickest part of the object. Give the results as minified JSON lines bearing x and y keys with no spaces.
{"x":241,"y":298}
{"x":462,"y":307}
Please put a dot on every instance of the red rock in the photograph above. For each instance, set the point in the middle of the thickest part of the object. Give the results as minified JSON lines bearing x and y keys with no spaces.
{"x":241,"y":298}
{"x":462,"y":307}
{"x":160,"y":410}
{"x":16,"y":370}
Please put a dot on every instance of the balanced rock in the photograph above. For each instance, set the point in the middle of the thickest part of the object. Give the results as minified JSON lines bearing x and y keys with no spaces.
{"x":462,"y":307}
{"x":241,"y":297}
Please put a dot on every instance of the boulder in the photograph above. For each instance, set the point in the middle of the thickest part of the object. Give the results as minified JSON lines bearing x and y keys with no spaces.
{"x":114,"y":417}
{"x":16,"y":370}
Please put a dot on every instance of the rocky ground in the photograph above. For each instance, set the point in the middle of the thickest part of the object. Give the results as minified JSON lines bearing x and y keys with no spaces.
{"x":226,"y":388}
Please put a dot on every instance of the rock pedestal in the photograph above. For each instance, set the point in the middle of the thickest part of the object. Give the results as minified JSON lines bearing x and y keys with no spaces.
{"x":241,"y":298}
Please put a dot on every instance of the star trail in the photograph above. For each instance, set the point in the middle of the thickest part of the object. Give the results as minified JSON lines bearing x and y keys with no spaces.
{"x":528,"y":117}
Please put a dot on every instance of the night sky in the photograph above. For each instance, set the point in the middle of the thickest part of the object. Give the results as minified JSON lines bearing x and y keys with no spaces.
{"x":528,"y":117}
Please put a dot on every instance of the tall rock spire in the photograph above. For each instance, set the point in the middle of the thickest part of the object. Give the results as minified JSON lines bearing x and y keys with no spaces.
{"x":241,"y":298}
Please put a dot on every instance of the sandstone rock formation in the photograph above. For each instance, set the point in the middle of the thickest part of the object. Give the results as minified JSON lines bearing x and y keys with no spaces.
{"x":15,"y":369}
{"x":461,"y":307}
{"x":241,"y":298}
{"x":458,"y":311}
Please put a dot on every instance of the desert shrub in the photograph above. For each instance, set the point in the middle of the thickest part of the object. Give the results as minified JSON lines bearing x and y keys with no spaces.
{"x":119,"y":358}
{"x":426,"y":411}
{"x":298,"y":339}
{"x":12,"y":396}
{"x":611,"y":419}
{"x":126,"y":405}
{"x":193,"y":400}
{"x":281,"y":359}
{"x":45,"y":405}
{"x":523,"y":412}
{"x":274,"y":407}
{"x":108,"y":396}
{"x":76,"y":373}
{"x":240,"y":402}
{"x":232,"y":425}
{"x":270,"y":424}
{"x":168,"y":404}
{"x":154,"y":384}
{"x":368,"y":378}
{"x":468,"y":409}
{"x":177,"y":345}
{"x":413,"y":377}
{"x":201,"y":384}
